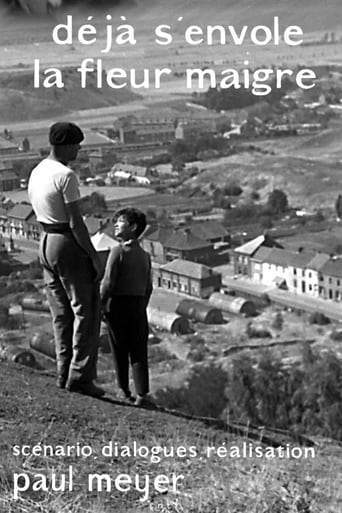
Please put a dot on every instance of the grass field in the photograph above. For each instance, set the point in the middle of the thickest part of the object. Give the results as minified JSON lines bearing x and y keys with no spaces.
{"x":210,"y":480}
{"x":307,"y":168}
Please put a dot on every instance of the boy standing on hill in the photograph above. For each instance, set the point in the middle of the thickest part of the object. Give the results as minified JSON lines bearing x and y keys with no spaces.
{"x":125,"y":292}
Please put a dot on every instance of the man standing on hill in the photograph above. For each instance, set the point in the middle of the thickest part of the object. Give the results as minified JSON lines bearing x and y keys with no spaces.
{"x":72,"y":269}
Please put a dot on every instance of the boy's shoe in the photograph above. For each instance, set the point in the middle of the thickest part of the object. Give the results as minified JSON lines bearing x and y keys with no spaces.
{"x":143,"y":401}
{"x":61,"y":382}
{"x":126,"y":395}
{"x":88,"y":388}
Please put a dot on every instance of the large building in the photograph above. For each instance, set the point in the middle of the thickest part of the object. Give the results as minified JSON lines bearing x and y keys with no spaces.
{"x":191,"y":129}
{"x":146,"y":129}
{"x":166,"y":126}
{"x":8,"y":179}
{"x":204,"y":243}
{"x":168,"y":243}
{"x":189,"y":278}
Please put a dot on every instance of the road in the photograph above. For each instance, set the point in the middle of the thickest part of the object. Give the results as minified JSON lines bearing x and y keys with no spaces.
{"x":90,"y":118}
{"x":26,"y":251}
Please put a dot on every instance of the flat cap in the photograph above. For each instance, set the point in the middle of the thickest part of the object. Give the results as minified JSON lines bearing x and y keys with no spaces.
{"x":65,"y":133}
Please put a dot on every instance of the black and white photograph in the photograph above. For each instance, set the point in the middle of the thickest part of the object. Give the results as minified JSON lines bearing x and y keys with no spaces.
{"x":170,"y":256}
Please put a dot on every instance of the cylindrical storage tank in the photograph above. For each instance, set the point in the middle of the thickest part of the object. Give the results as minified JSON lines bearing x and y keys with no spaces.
{"x":4,"y":316}
{"x":20,"y":355}
{"x":32,"y":303}
{"x":43,"y":343}
{"x":168,"y":321}
{"x":198,"y":311}
{"x":233,"y":304}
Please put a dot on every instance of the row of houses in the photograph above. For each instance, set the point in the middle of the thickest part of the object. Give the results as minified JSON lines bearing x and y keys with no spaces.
{"x":181,"y":268}
{"x":165,"y":127}
{"x":20,"y":221}
{"x":266,"y":262}
{"x":9,"y":180}
{"x":8,"y":151}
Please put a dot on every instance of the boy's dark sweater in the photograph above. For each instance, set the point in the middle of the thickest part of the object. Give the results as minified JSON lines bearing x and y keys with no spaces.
{"x":127,"y":273}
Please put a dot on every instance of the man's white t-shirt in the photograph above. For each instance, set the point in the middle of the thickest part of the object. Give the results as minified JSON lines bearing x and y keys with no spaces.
{"x":51,"y":186}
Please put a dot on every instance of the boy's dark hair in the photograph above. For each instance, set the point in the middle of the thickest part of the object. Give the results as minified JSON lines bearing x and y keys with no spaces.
{"x":133,"y":216}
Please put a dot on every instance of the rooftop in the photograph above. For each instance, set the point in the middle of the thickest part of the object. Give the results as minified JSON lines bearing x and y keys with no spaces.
{"x":190,"y":269}
{"x":250,"y":247}
{"x":91,"y":137}
{"x":209,"y":230}
{"x":6,"y":144}
{"x":333,"y":267}
{"x":318,"y":261}
{"x":262,"y":254}
{"x":284,"y":257}
{"x":8,"y":175}
{"x":103,"y":242}
{"x":184,"y":239}
{"x":159,"y":234}
{"x":20,"y":211}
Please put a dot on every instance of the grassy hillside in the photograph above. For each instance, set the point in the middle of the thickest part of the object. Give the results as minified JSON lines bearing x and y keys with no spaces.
{"x":34,"y":412}
{"x":312,"y":14}
{"x":19,"y":101}
{"x":307,"y":168}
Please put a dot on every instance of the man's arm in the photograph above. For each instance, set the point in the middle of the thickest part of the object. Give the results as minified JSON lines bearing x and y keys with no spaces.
{"x":149,"y":287}
{"x":81,"y":235}
{"x":110,"y":274}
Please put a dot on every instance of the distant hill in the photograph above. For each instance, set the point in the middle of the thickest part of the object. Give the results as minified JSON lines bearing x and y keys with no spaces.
{"x":313,"y":15}
{"x":19,"y":101}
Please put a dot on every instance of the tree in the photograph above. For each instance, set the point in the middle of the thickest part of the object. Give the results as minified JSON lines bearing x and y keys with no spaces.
{"x":98,"y":201}
{"x":277,"y":201}
{"x":232,"y":189}
{"x":319,"y":217}
{"x":278,"y":322}
{"x":151,"y":214}
{"x":338,"y":206}
{"x":255,"y":196}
